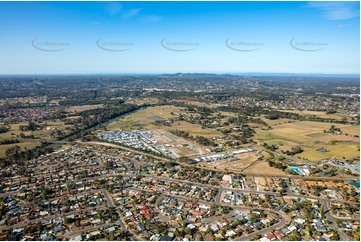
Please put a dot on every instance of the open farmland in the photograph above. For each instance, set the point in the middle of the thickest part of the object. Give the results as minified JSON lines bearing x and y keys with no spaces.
{"x":143,"y":101}
{"x":197,"y":103}
{"x":193,"y":129}
{"x":29,"y":143}
{"x":43,"y":134}
{"x":321,"y":114}
{"x":310,"y":136}
{"x":275,"y":122}
{"x":24,"y":145}
{"x":77,"y":109}
{"x":145,"y":119}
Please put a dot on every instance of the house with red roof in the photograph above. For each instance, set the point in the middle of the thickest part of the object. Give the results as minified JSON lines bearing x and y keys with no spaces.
{"x":278,"y":234}
{"x":197,"y":213}
{"x":271,"y":236}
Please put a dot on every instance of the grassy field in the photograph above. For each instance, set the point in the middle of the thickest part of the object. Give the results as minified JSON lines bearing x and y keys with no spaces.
{"x":145,"y":119}
{"x":25,"y":144}
{"x":39,"y":134}
{"x":277,"y":121}
{"x":193,"y":129}
{"x":270,"y":122}
{"x":320,"y":114}
{"x":143,"y":101}
{"x":310,"y":136}
{"x":197,"y":103}
{"x":342,"y":150}
{"x":262,"y":168}
{"x":14,"y":133}
{"x":77,"y":109}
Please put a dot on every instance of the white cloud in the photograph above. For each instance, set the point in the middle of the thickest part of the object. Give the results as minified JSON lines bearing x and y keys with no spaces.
{"x":113,"y":8}
{"x":344,"y":25}
{"x":132,"y":12}
{"x":337,"y":10}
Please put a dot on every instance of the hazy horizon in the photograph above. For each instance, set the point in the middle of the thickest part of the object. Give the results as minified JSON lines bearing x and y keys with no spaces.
{"x":170,"y":37}
{"x":188,"y":73}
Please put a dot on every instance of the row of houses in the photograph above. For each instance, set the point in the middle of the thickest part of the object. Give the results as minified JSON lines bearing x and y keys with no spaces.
{"x":138,"y":139}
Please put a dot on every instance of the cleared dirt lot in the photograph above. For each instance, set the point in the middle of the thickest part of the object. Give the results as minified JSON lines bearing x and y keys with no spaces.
{"x":244,"y":161}
{"x":77,"y":109}
{"x":177,"y":146}
{"x":143,"y":101}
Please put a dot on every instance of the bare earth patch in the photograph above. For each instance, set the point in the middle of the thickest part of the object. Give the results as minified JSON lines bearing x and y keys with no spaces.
{"x":262,"y":168}
{"x":244,"y":160}
{"x":77,"y":109}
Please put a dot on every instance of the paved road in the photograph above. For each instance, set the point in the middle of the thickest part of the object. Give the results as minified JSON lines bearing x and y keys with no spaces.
{"x":210,"y":186}
{"x":276,"y":226}
{"x":210,"y":169}
{"x":50,"y":217}
{"x":85,"y":230}
{"x":218,"y":197}
{"x":284,"y":218}
{"x":108,"y":198}
{"x":157,"y":210}
{"x":123,"y":148}
{"x":333,"y":225}
{"x":118,"y":213}
{"x":201,"y":185}
{"x":119,"y":222}
{"x":225,"y":216}
{"x":198,"y":184}
{"x":276,"y":194}
{"x":305,"y":161}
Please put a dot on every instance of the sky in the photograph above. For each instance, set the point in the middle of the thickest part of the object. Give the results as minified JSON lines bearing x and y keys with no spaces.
{"x":170,"y":37}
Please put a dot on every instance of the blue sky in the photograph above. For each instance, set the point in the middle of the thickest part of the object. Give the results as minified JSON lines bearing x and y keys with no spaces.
{"x":168,"y":37}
